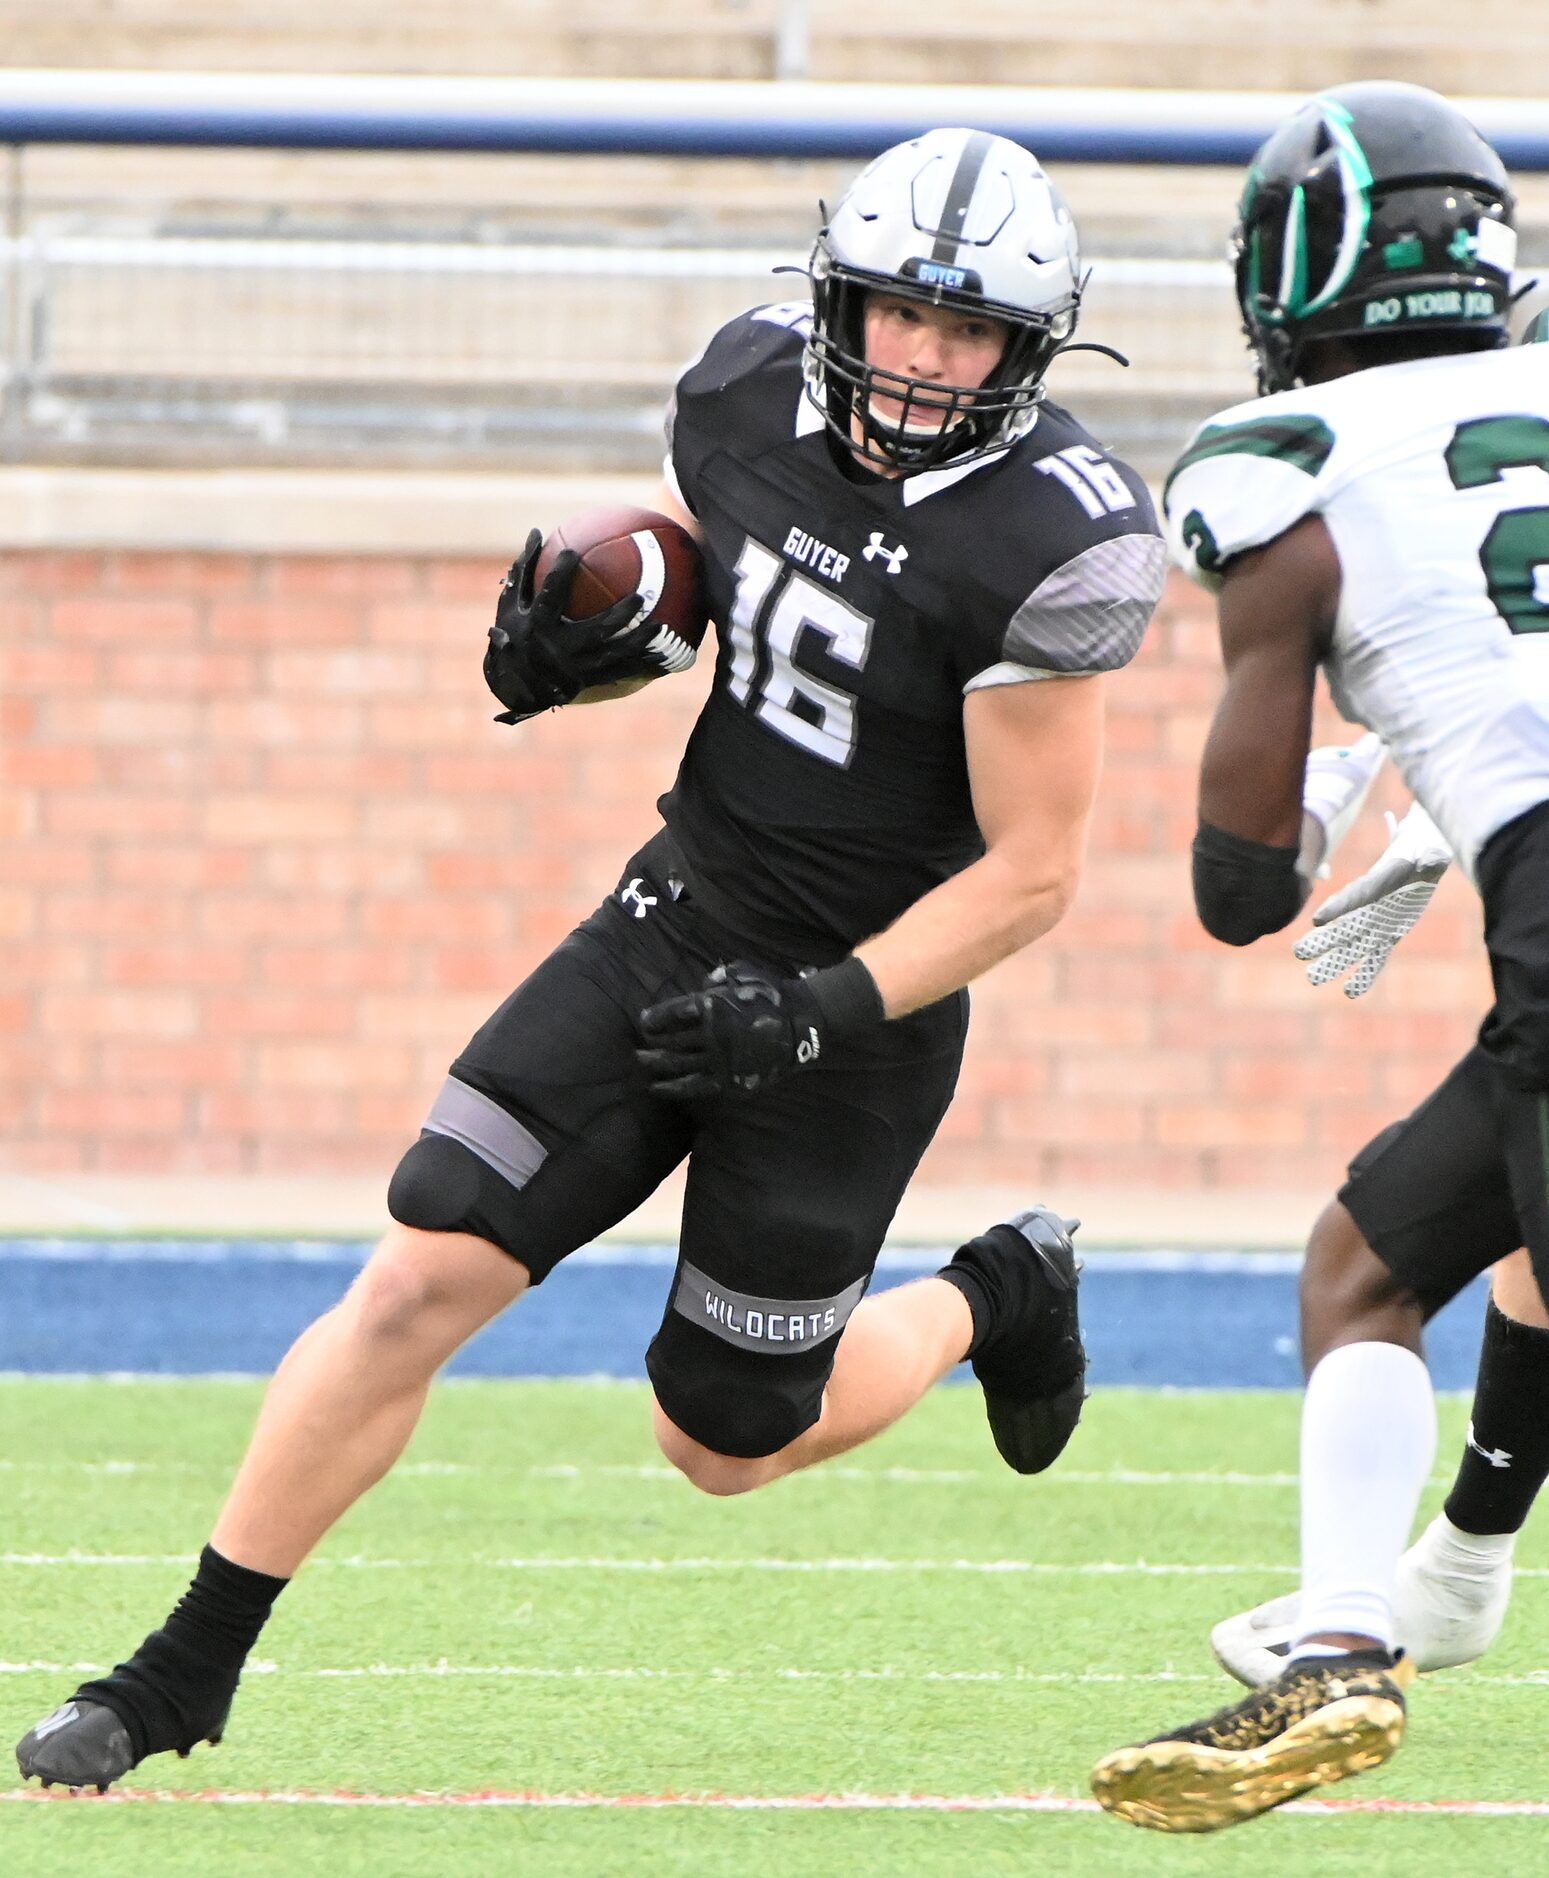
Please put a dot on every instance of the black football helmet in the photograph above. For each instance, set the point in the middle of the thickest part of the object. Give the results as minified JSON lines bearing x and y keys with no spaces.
{"x":1376,"y":208}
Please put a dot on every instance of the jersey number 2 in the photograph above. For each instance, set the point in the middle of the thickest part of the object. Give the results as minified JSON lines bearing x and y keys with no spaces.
{"x":772,"y":606}
{"x":1515,"y":553}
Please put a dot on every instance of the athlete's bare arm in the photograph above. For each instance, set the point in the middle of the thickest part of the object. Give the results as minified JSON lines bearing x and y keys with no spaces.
{"x":1277,"y":610}
{"x":1034,"y":753}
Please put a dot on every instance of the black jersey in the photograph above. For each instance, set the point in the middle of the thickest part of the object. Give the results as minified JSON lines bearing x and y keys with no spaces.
{"x":825,"y":786}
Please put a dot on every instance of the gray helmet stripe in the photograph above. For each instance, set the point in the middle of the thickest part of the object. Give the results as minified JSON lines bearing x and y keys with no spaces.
{"x":959,"y":195}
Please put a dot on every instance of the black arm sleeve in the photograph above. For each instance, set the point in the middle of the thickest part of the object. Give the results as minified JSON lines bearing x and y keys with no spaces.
{"x":1244,"y":889}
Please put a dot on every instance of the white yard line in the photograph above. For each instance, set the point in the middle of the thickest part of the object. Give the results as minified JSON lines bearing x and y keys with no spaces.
{"x":637,"y":1672}
{"x":534,"y":1672}
{"x":906,"y":1476}
{"x":1000,"y":1567}
{"x":990,"y":1567}
{"x":600,"y":1470}
{"x":756,"y":1803}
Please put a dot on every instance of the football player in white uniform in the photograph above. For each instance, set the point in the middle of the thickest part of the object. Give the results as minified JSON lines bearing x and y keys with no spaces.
{"x":1454,"y":1583}
{"x":1381,"y":513}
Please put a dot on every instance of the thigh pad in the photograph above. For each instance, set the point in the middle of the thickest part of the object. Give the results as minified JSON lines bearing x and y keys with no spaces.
{"x":742,"y":1374}
{"x":1431,"y":1194}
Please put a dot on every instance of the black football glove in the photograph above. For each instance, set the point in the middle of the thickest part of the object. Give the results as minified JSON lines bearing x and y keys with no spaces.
{"x":539,"y":658}
{"x":746,"y":1029}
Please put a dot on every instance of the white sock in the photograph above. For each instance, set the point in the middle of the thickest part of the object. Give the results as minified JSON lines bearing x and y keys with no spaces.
{"x":1468,"y":1553}
{"x":1368,"y":1440}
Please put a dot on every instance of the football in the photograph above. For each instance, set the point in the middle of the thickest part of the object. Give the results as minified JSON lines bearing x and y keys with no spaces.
{"x":626,"y":550}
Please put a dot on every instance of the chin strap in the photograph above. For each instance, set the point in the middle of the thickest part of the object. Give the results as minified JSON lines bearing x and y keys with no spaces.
{"x":1089,"y":345}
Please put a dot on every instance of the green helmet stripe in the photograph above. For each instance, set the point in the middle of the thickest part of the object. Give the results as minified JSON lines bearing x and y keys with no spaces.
{"x":1254,"y":283}
{"x":1356,"y":178}
{"x":1293,"y":262}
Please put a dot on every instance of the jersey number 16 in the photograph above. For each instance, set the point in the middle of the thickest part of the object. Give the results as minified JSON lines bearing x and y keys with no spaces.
{"x":771,"y":611}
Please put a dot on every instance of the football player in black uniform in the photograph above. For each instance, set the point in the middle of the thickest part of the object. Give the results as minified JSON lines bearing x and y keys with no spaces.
{"x":919,"y":568}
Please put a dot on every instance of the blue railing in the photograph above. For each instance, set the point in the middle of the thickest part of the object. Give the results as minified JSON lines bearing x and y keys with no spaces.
{"x":664,"y":118}
{"x":247,"y":334}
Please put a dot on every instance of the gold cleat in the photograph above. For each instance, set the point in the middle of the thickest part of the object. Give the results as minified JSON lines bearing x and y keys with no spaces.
{"x":1322,"y":1720}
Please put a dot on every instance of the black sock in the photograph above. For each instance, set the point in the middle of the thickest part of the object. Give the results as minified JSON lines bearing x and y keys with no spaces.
{"x":1507,"y":1457}
{"x":978,"y":1272}
{"x":221,"y":1613}
{"x":1019,"y":1309}
{"x":177,"y":1686}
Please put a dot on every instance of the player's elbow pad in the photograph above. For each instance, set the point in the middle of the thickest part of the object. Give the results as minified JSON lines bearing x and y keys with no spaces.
{"x":1244,"y":889}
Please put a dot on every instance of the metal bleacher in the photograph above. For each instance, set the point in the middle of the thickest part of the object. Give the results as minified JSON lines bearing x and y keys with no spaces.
{"x":189,"y":306}
{"x":201,"y":346}
{"x":1492,"y":47}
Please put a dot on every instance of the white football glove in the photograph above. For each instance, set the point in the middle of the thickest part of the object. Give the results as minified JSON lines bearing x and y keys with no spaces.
{"x":1338,"y":780}
{"x":1357,"y":928}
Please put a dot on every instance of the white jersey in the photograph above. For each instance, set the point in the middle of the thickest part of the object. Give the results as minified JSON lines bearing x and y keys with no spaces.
{"x":1432,"y":478}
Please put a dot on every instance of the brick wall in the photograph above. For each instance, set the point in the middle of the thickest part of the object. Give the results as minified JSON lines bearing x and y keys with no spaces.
{"x":265,"y":861}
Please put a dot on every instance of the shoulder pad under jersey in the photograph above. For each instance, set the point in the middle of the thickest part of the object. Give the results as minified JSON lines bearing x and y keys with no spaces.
{"x":746,"y":385}
{"x":1247,"y":476}
{"x":762,"y":336}
{"x":1073,"y":557}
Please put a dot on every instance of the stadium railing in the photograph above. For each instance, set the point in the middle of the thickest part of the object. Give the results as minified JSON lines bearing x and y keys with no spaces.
{"x":188,"y":330}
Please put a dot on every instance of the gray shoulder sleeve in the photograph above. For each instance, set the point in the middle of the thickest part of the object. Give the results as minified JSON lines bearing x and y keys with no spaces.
{"x":1090,"y":614}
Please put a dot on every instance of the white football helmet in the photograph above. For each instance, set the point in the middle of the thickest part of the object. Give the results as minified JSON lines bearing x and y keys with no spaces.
{"x":955,"y":218}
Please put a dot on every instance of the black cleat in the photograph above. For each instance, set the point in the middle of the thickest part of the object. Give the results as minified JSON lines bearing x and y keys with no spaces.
{"x":80,"y":1745}
{"x":142,"y":1708}
{"x":1031,"y":1362}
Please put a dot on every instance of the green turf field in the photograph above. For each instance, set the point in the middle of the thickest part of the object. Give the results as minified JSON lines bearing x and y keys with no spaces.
{"x":822,"y":1638}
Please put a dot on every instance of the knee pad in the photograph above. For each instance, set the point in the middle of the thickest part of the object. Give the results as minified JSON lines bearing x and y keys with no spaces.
{"x":435,"y":1186}
{"x":734,"y":1402}
{"x":441,"y":1186}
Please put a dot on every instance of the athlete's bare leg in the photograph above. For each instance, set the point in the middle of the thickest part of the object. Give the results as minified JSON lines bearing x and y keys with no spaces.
{"x":1455,"y":1580}
{"x":1515,"y":1291}
{"x":1349,"y":1296}
{"x":346,"y":1398}
{"x":1459,"y":1572}
{"x":897,"y":1345}
{"x":336,"y":1417}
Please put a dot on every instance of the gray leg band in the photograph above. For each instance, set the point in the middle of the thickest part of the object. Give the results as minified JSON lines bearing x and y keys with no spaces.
{"x":466,"y":1174}
{"x":772,"y":1326}
{"x":484,"y":1127}
{"x":744,"y":1375}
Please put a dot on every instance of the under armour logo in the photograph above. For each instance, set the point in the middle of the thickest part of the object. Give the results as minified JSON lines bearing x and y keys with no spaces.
{"x":877,"y":550}
{"x":634,"y":899}
{"x":1497,"y":1457}
{"x":56,"y":1721}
